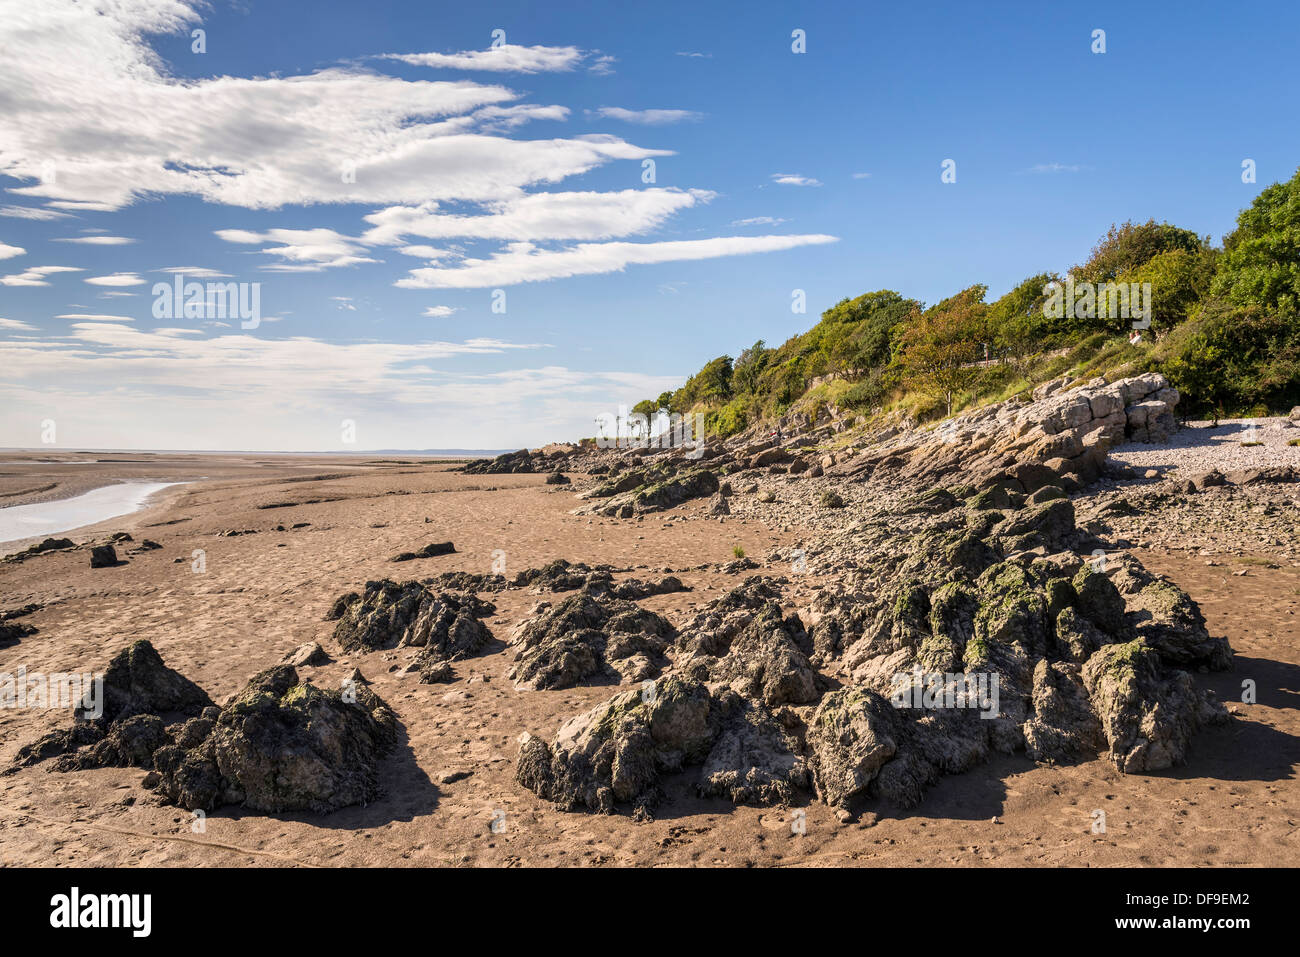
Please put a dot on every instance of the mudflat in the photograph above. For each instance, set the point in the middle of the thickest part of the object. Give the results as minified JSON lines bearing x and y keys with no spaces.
{"x":255,"y":550}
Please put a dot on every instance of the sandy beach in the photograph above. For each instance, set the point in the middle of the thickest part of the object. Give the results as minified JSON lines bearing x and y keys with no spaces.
{"x":310,"y":530}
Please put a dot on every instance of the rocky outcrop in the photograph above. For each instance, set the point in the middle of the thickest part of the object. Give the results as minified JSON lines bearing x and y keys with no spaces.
{"x":1147,"y":713}
{"x":281,"y":745}
{"x":136,"y":685}
{"x":521,"y":462}
{"x":618,"y":752}
{"x":432,"y":550}
{"x":445,"y":625}
{"x":1060,"y":438}
{"x":586,"y":638}
{"x":639,"y":491}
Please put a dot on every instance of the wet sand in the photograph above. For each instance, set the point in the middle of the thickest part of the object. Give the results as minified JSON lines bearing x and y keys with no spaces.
{"x":262,"y":594}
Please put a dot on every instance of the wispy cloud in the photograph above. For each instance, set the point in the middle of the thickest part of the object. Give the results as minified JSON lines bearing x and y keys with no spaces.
{"x":97,"y":240}
{"x":645,"y":117}
{"x":794,"y":179}
{"x":35,"y":275}
{"x":507,"y":58}
{"x":1054,"y":168}
{"x":525,"y":262}
{"x":116,"y":279}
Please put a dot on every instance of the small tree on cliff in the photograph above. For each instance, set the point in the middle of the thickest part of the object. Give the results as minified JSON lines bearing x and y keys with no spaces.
{"x":939,"y":348}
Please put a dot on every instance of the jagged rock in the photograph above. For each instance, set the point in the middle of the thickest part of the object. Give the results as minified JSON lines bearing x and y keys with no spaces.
{"x":432,"y":550}
{"x":520,"y":462}
{"x":308,"y":654}
{"x":851,"y":736}
{"x":558,"y":478}
{"x":757,"y":758}
{"x":588,"y":637}
{"x":136,"y":683}
{"x":661,"y":495}
{"x":1167,"y":619}
{"x":718,"y":505}
{"x":712,"y":629}
{"x":1062,"y":726}
{"x":1147,"y":714}
{"x":444,"y":624}
{"x":103,"y":556}
{"x":764,"y":661}
{"x":616,"y":752}
{"x":283,"y":745}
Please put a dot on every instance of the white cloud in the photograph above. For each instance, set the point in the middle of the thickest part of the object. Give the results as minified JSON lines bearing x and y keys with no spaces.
{"x":759,"y":221}
{"x":507,"y":58}
{"x":645,"y":117}
{"x":32,"y":212}
{"x":15,"y":324}
{"x":862,"y":176}
{"x":525,"y":262}
{"x":97,"y":240}
{"x":194,"y":272}
{"x":439,"y":312}
{"x":9,"y":252}
{"x":116,"y":126}
{"x":306,"y":250}
{"x":794,"y":179}
{"x":116,"y":279}
{"x":35,"y":275}
{"x":1054,"y":168}
{"x":537,"y":216}
{"x":94,"y":317}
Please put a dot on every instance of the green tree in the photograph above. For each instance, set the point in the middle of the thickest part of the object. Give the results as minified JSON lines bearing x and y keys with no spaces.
{"x":940,"y":348}
{"x":1261,"y":260}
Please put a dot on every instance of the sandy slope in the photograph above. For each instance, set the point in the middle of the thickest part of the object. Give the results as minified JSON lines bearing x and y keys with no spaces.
{"x":1236,"y":802}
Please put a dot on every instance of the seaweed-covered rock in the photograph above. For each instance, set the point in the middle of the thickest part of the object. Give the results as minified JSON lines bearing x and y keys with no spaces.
{"x":616,"y":752}
{"x":764,"y":662}
{"x":432,"y":550}
{"x":1062,"y":726}
{"x":757,"y":758}
{"x":1148,"y":714}
{"x":103,"y":556}
{"x":711,"y":630}
{"x":521,"y":462}
{"x":135,"y":684}
{"x":1167,"y":619}
{"x":587,"y":637}
{"x":851,"y":736}
{"x":650,"y":491}
{"x":284,"y":745}
{"x":410,"y":614}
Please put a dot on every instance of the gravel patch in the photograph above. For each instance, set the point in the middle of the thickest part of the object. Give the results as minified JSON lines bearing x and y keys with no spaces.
{"x":1201,"y":446}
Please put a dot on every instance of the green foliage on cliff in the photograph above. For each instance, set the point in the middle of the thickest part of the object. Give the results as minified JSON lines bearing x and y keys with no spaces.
{"x":1224,"y":327}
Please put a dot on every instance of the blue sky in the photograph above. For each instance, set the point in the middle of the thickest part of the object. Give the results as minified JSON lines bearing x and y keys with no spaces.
{"x":520,"y":168}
